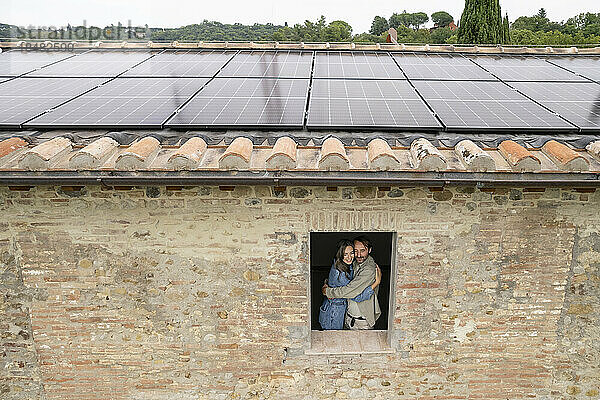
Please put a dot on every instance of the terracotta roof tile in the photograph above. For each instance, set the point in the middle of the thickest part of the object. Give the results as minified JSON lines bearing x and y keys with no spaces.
{"x":7,"y":146}
{"x":283,"y":155}
{"x":594,"y":149}
{"x":188,"y":156}
{"x":473,"y":157}
{"x":93,"y":155}
{"x":237,"y":155}
{"x":323,"y":46}
{"x":519,"y":158}
{"x":333,"y":155}
{"x":565,"y":157}
{"x":44,"y":155}
{"x":381,"y":156}
{"x":139,"y":155}
{"x":147,"y":154}
{"x":425,"y":156}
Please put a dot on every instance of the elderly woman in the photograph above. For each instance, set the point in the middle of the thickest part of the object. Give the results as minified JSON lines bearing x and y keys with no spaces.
{"x":333,"y":311}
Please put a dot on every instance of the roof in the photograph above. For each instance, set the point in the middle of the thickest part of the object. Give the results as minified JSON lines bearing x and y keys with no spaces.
{"x":458,"y":48}
{"x":237,"y":160}
{"x":562,"y":147}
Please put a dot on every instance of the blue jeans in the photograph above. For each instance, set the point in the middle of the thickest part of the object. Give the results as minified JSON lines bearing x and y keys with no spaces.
{"x":332,"y":313}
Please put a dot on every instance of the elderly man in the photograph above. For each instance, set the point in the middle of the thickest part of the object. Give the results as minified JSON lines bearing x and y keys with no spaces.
{"x":364,"y":314}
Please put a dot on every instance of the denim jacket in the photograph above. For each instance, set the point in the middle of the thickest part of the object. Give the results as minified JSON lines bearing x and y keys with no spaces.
{"x":332,"y":311}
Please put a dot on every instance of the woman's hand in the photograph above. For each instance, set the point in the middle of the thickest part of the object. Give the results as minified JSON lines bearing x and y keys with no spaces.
{"x":377,"y":278}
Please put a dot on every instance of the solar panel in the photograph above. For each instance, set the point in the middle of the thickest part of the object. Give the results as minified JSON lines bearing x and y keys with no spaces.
{"x":94,"y":64}
{"x":577,"y":102}
{"x":359,"y":65}
{"x":123,"y":102}
{"x":524,"y":69}
{"x":588,"y":67}
{"x":443,"y":67}
{"x":23,"y":98}
{"x":486,"y":105}
{"x":250,"y":102}
{"x":368,"y":103}
{"x":269,"y":64}
{"x":17,"y":62}
{"x":187,"y":63}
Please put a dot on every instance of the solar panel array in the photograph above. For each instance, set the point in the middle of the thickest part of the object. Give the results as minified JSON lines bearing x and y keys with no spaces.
{"x":588,"y":67}
{"x":441,"y":66}
{"x":486,"y":105}
{"x":15,"y":62}
{"x":246,"y":102}
{"x":178,"y":63}
{"x":94,"y":64}
{"x":368,"y":104}
{"x":269,"y":64}
{"x":228,"y":89}
{"x":125,"y":102}
{"x":509,"y":68}
{"x":356,"y":65}
{"x":577,"y":102}
{"x":22,"y":99}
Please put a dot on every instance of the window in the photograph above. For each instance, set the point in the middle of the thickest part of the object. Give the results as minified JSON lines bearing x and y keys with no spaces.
{"x":323,"y":246}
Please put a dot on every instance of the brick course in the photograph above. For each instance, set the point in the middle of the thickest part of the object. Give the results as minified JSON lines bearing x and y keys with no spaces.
{"x":202,"y":293}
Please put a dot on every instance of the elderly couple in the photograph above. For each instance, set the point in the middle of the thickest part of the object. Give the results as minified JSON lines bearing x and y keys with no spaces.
{"x":351,"y":290}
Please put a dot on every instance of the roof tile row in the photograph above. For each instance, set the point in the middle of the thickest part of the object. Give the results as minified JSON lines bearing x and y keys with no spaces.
{"x":147,"y":153}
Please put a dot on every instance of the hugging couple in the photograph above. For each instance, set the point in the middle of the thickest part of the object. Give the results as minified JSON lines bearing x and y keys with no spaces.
{"x":352,"y":287}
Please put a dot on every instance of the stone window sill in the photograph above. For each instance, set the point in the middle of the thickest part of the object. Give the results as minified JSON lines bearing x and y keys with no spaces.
{"x":349,"y":342}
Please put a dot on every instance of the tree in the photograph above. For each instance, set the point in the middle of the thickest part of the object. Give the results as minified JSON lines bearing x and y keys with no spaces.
{"x":379,"y":26}
{"x":441,"y":35}
{"x":542,"y":13}
{"x":481,"y":23}
{"x":409,"y":20}
{"x":337,"y":31}
{"x":398,"y":20}
{"x":441,"y":18}
{"x":506,"y":30}
{"x":419,"y":19}
{"x":319,"y":31}
{"x":368,"y":38}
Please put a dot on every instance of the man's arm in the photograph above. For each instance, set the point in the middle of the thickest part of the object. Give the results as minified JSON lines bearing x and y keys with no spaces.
{"x":365,"y":295}
{"x":364,"y":278}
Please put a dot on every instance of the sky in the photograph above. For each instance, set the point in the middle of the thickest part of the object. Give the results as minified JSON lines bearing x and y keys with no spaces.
{"x":175,"y":13}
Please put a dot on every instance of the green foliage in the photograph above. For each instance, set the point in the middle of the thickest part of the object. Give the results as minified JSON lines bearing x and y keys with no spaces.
{"x":398,"y":20}
{"x":553,"y":38}
{"x":535,"y":23}
{"x":452,"y":39}
{"x":338,"y":31}
{"x":409,"y":20}
{"x":419,"y":19}
{"x":379,"y":26}
{"x":506,"y":30}
{"x":319,"y":31}
{"x":542,"y":13}
{"x":212,"y":30}
{"x":588,"y":24}
{"x":441,"y":18}
{"x":441,"y":35}
{"x":481,"y":23}
{"x":5,"y":30}
{"x":369,"y":38}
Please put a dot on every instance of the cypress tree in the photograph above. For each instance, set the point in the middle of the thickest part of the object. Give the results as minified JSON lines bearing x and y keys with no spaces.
{"x":506,"y":30}
{"x":482,"y":23}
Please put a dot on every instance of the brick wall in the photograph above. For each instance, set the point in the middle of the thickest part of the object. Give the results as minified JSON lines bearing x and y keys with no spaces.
{"x":152,"y":293}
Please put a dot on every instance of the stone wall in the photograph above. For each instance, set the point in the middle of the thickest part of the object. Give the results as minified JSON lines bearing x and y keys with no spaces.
{"x":202,"y":293}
